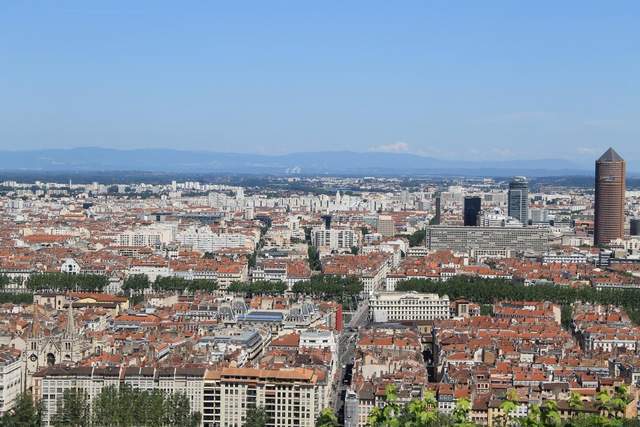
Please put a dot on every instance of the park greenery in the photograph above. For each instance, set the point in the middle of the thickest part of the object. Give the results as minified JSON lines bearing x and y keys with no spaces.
{"x":489,"y":291}
{"x":66,"y":282}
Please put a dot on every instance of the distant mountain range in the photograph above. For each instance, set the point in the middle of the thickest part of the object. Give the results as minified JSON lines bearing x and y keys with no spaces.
{"x":306,"y":163}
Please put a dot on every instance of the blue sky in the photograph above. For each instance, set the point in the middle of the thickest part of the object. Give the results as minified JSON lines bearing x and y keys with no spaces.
{"x":450,"y":79}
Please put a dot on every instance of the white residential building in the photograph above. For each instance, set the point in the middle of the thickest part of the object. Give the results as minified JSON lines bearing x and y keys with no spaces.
{"x":205,"y":240}
{"x":334,"y":238}
{"x":393,"y":306}
{"x":151,"y":236}
{"x":11,"y":374}
{"x":290,"y":396}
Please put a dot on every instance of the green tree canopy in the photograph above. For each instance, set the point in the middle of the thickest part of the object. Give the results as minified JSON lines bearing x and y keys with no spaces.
{"x":256,"y":417}
{"x":67,"y":282}
{"x":489,"y":291}
{"x":136,"y":282}
{"x":262,"y":287}
{"x":327,"y":418}
{"x":24,"y":413}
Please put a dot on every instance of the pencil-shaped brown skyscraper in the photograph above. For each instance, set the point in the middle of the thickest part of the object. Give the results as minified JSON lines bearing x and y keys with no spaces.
{"x":610,"y":193}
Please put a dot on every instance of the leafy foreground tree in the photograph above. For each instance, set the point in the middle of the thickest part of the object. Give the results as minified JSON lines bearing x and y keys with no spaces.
{"x":73,"y":410}
{"x":418,"y":413}
{"x":327,"y":418}
{"x":24,"y":413}
{"x":614,"y":404}
{"x":256,"y":417}
{"x":424,"y":412}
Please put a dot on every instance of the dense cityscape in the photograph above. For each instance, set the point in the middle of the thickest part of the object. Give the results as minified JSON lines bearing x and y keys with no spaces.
{"x":321,"y":301}
{"x":319,"y":214}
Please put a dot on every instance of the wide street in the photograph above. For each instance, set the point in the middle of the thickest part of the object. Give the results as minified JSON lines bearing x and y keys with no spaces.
{"x":346,"y":352}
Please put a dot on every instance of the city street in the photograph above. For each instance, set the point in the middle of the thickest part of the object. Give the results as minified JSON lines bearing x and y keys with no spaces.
{"x":346,"y":352}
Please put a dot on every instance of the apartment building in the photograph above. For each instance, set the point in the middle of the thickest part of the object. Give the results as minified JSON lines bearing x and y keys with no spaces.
{"x":50,"y":383}
{"x":334,"y":238}
{"x":488,"y":241}
{"x":386,"y":225}
{"x":393,"y":306}
{"x":206,"y":240}
{"x":151,"y":236}
{"x":372,"y":268}
{"x":11,"y":374}
{"x":290,"y":397}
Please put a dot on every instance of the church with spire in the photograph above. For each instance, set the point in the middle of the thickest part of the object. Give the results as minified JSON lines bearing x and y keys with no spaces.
{"x":47,"y":348}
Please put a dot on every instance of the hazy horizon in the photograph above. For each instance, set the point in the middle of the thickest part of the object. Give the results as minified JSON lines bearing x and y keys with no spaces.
{"x":464,"y":81}
{"x":581,"y":161}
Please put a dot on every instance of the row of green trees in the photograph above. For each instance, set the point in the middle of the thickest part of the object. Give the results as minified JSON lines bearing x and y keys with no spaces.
{"x":326,"y":286}
{"x":4,"y":280}
{"x":140,"y":282}
{"x":258,"y":288}
{"x":16,"y":298}
{"x":488,"y":291}
{"x":341,"y":289}
{"x":66,"y":282}
{"x":120,"y":407}
{"x":180,"y":284}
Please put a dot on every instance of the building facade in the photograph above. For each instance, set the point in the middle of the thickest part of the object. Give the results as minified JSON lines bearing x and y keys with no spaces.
{"x":11,"y":379}
{"x":518,"y":204}
{"x":289,"y":396}
{"x":488,"y":241}
{"x":394,"y":306}
{"x":472,"y":207}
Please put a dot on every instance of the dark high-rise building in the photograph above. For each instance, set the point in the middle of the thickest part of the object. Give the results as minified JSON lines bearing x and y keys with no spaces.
{"x":518,"y":204}
{"x":610,"y":191}
{"x":472,"y":206}
{"x":437,"y":218}
{"x":634,"y":227}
